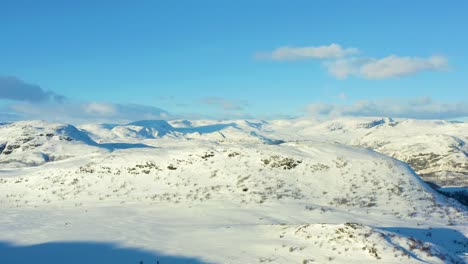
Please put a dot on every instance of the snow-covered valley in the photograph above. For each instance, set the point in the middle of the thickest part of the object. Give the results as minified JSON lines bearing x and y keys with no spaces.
{"x":203,"y":191}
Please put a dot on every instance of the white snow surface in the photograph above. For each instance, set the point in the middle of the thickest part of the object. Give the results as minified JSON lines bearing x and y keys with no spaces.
{"x":237,"y":191}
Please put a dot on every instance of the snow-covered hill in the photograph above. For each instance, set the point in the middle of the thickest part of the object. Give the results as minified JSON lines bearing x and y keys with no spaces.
{"x":30,"y":143}
{"x":229,"y":192}
{"x":435,"y":149}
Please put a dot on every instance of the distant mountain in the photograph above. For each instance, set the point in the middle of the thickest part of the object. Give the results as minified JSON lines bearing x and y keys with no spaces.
{"x":231,"y":131}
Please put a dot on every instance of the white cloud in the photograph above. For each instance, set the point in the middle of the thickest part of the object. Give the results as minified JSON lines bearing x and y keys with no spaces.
{"x":393,"y":66}
{"x":343,"y":68}
{"x":341,"y":64}
{"x":332,"y":51}
{"x":421,"y":108}
{"x":387,"y":67}
{"x":100,"y":109}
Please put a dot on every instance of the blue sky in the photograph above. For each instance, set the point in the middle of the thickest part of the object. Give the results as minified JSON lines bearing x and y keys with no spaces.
{"x":227,"y":59}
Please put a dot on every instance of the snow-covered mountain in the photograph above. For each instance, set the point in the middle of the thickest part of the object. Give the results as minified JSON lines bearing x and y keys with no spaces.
{"x":222,"y":131}
{"x":285,"y":191}
{"x":436,"y":150}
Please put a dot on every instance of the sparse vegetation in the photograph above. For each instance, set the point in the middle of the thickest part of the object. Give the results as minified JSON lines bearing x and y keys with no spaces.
{"x":281,"y":162}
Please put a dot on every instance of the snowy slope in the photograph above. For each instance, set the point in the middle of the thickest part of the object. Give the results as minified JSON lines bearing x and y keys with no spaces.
{"x":224,"y":192}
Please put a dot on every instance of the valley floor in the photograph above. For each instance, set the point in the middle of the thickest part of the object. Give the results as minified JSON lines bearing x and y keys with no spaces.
{"x":224,"y":233}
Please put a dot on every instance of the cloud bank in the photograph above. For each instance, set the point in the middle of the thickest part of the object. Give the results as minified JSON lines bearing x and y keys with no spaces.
{"x":76,"y":112}
{"x":419,"y":108}
{"x":22,"y":101}
{"x":46,"y":105}
{"x":12,"y":88}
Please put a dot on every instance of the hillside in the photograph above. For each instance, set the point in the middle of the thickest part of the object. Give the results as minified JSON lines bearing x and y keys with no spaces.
{"x":236,"y":199}
{"x":31,"y":143}
{"x":435,"y":149}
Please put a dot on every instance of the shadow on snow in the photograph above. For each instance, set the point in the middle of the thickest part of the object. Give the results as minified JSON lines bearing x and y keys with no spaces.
{"x":448,"y":239}
{"x":84,"y":252}
{"x":163,"y":127}
{"x":117,"y":146}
